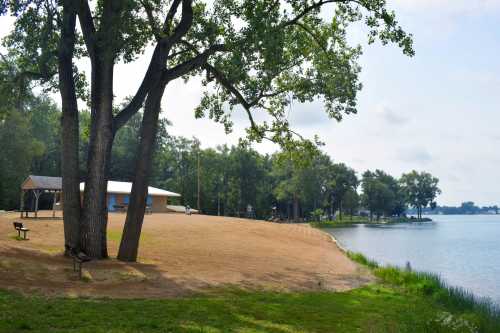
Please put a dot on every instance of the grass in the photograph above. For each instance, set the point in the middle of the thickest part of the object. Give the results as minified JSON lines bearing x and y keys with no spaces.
{"x":116,"y":235}
{"x":475,"y":312}
{"x":401,"y":301}
{"x":345,"y":222}
{"x":353,"y":220}
{"x":373,"y":308}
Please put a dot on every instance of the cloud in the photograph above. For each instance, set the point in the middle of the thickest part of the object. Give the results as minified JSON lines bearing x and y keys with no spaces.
{"x":308,"y":115}
{"x":449,"y":6}
{"x":391,"y":116}
{"x":413,"y":155}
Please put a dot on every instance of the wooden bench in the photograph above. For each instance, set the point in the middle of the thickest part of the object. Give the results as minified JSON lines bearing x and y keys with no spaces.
{"x":20,"y":227}
{"x":78,"y":259}
{"x":120,"y":208}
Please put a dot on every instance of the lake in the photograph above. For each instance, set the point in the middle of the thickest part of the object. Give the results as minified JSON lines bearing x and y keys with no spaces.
{"x":463,"y":249}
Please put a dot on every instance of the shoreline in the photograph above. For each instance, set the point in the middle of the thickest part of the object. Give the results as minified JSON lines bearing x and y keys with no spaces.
{"x":372,"y":263}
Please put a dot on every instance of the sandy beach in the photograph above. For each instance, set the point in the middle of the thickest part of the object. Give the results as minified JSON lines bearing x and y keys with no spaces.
{"x":179,"y":255}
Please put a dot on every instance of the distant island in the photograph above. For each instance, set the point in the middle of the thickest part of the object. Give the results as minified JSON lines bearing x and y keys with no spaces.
{"x":466,"y":208}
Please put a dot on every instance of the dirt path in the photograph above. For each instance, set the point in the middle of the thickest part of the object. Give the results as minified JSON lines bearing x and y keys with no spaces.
{"x":179,"y":255}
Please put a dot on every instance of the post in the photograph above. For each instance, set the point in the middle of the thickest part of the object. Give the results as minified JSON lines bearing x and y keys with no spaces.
{"x":198,"y":196}
{"x":54,"y":204}
{"x":21,"y":204}
{"x":37,"y":195}
{"x":218,"y":203}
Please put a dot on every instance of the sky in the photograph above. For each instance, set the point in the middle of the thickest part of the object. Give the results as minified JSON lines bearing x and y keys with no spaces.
{"x":436,"y":112}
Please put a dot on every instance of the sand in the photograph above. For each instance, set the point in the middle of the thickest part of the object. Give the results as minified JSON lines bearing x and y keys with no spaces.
{"x":179,"y":255}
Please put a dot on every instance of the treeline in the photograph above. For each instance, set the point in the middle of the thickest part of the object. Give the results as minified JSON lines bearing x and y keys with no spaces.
{"x":466,"y":208}
{"x":233,"y":181}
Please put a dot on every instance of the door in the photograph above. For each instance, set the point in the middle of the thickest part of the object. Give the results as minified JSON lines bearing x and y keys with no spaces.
{"x":111,"y":202}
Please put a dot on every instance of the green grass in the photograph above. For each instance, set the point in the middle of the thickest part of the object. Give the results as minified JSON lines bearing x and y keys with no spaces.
{"x":370,"y":309}
{"x":480,"y":312}
{"x":116,"y":235}
{"x":351,"y":221}
{"x":345,"y":222}
{"x":402,"y":301}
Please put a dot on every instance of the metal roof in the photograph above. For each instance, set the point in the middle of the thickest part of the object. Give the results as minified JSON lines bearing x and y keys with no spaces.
{"x":42,"y":183}
{"x":126,"y":188}
{"x":55,"y":183}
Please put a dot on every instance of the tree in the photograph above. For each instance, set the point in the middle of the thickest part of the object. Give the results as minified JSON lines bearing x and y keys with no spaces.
{"x":340,"y":180}
{"x":351,"y":201}
{"x":420,"y":189}
{"x":381,"y":194}
{"x":259,"y":54}
{"x":22,"y":134}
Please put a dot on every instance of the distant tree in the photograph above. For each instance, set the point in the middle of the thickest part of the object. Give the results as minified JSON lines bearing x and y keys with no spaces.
{"x":377,"y":196}
{"x":469,"y":208}
{"x":351,"y":202}
{"x":340,"y":180}
{"x":28,"y":132}
{"x":420,"y":189}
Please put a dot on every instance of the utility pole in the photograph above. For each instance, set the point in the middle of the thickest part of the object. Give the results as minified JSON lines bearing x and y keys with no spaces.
{"x":198,"y":196}
{"x":218,"y":203}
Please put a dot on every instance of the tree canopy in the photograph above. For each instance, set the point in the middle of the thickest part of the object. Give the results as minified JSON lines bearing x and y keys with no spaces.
{"x":420,"y":189}
{"x":256,"y":54}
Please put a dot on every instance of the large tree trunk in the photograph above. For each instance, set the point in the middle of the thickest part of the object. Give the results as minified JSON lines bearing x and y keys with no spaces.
{"x":129,"y":245}
{"x":94,"y":217}
{"x":70,"y":131}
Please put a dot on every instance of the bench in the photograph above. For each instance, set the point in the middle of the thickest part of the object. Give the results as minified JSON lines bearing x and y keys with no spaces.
{"x":120,"y":208}
{"x":20,"y":227}
{"x":78,"y":259}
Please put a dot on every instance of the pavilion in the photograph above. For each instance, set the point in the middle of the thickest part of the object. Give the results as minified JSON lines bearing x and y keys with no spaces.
{"x":118,"y":194}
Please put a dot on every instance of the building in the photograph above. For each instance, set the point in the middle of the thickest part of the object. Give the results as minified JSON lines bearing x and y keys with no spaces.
{"x":118,"y":194}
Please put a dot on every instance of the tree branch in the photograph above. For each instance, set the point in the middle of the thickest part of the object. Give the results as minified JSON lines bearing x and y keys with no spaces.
{"x":87,"y":26}
{"x":226,"y":83}
{"x":196,"y":62}
{"x":151,"y":19}
{"x":182,"y":28}
{"x":170,"y":16}
{"x":137,"y":101}
{"x":157,"y":63}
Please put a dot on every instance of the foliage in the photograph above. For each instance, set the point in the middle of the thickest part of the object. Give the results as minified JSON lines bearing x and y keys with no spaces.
{"x":374,"y":308}
{"x":467,"y":207}
{"x":29,"y":134}
{"x":341,"y":180}
{"x":420,"y":189}
{"x":347,"y":221}
{"x":230,"y":177}
{"x":317,"y":214}
{"x":256,"y":54}
{"x":379,"y":195}
{"x":259,"y":55}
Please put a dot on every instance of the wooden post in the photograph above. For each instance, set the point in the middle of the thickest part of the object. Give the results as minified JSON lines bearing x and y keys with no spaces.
{"x":21,"y":204}
{"x":37,"y":195}
{"x":198,"y":195}
{"x":54,"y":204}
{"x":218,"y":203}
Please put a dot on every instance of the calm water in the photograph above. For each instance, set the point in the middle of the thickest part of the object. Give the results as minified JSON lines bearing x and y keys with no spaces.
{"x":464,"y":250}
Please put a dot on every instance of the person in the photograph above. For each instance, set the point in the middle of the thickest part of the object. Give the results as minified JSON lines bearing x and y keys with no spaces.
{"x":249,"y":211}
{"x":188,"y":210}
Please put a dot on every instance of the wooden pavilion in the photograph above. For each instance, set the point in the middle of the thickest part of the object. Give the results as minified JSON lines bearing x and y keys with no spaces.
{"x":39,"y":185}
{"x":117,"y":197}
